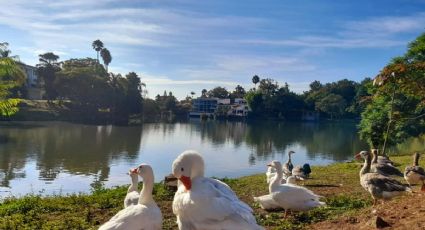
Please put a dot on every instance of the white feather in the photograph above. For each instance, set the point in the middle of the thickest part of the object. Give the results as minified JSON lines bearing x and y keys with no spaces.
{"x":209,"y":204}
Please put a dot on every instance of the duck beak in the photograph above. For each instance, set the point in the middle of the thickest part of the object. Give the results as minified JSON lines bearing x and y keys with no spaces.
{"x":135,"y":170}
{"x":269,"y":165}
{"x":358,"y":156}
{"x":187,"y":182}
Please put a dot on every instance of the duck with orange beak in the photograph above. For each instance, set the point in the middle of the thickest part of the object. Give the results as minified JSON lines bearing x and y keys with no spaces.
{"x":205,"y":203}
{"x":132,"y":196}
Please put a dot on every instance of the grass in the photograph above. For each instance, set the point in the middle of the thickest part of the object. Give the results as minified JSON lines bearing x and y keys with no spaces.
{"x":337,"y":183}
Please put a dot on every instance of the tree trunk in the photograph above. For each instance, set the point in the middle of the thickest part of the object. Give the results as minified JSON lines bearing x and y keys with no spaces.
{"x":389,"y":124}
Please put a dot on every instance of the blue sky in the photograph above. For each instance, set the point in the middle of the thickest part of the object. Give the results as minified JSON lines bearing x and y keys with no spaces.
{"x":184,"y":46}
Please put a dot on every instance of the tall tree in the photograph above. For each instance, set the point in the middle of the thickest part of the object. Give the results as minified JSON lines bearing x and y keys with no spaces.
{"x":48,"y":58}
{"x":47,"y":69}
{"x":239,"y":92}
{"x":204,"y":93}
{"x":98,"y":46}
{"x":106,"y":57}
{"x":134,"y":93}
{"x":218,"y":92}
{"x":255,"y":80}
{"x":89,"y":88}
{"x":332,"y":104}
{"x":192,"y":93}
{"x":315,"y":85}
{"x":397,"y":108}
{"x":268,"y":87}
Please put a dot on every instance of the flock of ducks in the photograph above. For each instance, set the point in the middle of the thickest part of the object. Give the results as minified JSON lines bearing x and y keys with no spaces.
{"x":206,"y":203}
{"x":376,"y":176}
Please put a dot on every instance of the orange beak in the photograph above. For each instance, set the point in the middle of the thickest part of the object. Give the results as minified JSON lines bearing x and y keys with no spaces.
{"x":187,"y":182}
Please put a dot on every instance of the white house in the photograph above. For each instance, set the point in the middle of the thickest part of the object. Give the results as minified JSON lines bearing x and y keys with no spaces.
{"x":239,"y":108}
{"x":33,"y":83}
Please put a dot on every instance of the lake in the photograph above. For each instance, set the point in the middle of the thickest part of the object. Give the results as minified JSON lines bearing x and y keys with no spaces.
{"x":60,"y":158}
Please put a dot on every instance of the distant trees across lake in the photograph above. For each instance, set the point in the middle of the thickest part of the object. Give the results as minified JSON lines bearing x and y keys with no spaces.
{"x":391,"y":106}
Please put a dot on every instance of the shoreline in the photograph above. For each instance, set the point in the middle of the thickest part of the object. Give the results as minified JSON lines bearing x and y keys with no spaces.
{"x":338,"y":183}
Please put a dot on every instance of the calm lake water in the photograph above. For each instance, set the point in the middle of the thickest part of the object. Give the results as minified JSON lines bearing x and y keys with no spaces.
{"x":61,"y":158}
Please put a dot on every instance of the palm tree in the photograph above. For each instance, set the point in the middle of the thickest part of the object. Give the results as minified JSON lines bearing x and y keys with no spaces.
{"x":98,"y":46}
{"x":255,"y":80}
{"x":204,"y":93}
{"x":106,"y":56}
{"x":192,"y":93}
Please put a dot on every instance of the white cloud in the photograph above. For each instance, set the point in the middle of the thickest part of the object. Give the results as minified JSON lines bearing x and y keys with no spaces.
{"x":378,"y":32}
{"x":385,"y":26}
{"x":162,"y":80}
{"x":328,"y":42}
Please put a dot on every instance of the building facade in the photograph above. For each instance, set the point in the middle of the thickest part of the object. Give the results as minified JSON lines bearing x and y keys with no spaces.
{"x":203,"y":106}
{"x":239,"y":108}
{"x":33,"y":83}
{"x":219,"y":107}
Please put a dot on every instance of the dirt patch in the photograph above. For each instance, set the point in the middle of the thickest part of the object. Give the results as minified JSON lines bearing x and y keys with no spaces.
{"x":407,"y":212}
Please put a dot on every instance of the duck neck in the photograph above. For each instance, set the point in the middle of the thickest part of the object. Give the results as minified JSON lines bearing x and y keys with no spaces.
{"x":375,"y":157}
{"x":146,"y":193}
{"x":366,"y":166}
{"x":416,"y":159}
{"x":276,"y":180}
{"x":133,"y":186}
{"x":289,"y":157}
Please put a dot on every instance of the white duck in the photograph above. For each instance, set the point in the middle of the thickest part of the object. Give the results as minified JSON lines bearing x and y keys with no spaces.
{"x":266,"y":201}
{"x":132,"y":196}
{"x":205,"y":203}
{"x":415,"y":174}
{"x":287,"y":170}
{"x":379,"y":186}
{"x":290,"y":196}
{"x":144,"y":215}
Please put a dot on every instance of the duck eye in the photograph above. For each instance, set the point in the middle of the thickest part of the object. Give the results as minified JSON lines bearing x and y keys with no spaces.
{"x":182,"y":169}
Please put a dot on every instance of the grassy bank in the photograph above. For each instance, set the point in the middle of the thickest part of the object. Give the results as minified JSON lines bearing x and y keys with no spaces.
{"x":337,"y":183}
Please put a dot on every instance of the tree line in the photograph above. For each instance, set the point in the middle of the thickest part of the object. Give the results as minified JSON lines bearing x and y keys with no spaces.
{"x":86,"y":87}
{"x":391,"y":106}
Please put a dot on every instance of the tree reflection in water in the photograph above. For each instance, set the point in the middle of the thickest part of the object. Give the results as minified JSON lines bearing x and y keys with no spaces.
{"x":63,"y":152}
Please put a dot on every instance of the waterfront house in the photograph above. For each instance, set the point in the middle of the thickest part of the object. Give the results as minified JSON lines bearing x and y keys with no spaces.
{"x":203,"y":106}
{"x":33,"y":83}
{"x":219,"y":107}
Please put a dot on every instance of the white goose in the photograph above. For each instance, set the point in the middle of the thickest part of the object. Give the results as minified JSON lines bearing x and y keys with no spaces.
{"x":132,"y":196}
{"x":266,"y":201}
{"x":415,"y":174}
{"x":144,"y":215}
{"x":379,"y":186}
{"x":287,"y":170}
{"x":205,"y":203}
{"x":290,"y":196}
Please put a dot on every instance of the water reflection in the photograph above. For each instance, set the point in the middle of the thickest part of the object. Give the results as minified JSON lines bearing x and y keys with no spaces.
{"x":41,"y":153}
{"x":333,"y":141}
{"x":58,"y":147}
